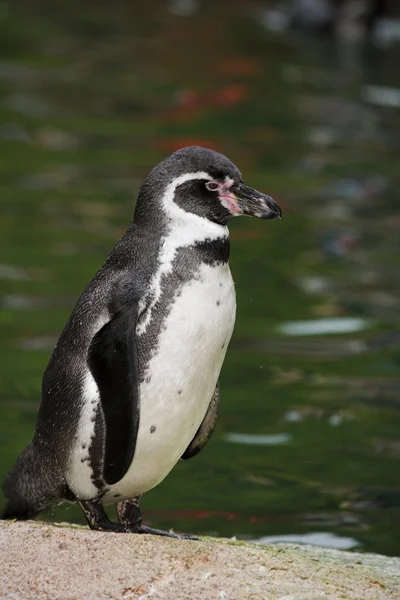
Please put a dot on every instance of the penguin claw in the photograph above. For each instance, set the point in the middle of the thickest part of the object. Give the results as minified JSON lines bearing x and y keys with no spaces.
{"x":185,"y":536}
{"x":143,"y":529}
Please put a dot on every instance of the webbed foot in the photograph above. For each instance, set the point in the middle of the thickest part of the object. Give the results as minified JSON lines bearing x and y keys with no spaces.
{"x":130,"y":516}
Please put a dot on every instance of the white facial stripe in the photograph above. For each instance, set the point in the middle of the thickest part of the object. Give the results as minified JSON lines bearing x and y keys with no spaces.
{"x":173,"y":210}
{"x":185,"y":229}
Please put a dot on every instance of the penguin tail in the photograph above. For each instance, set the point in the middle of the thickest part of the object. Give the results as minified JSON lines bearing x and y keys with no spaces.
{"x":29,"y":487}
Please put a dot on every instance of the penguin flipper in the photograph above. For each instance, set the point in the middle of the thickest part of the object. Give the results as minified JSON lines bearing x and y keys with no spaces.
{"x":113,"y":362}
{"x":206,"y":428}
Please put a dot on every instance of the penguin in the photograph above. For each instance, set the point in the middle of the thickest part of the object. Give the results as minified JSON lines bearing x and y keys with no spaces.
{"x":132,"y":384}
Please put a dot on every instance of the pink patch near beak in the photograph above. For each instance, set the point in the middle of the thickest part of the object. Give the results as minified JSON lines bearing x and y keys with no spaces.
{"x":229,"y":201}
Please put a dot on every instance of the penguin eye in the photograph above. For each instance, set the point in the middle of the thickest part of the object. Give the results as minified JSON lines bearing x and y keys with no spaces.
{"x":212,"y":186}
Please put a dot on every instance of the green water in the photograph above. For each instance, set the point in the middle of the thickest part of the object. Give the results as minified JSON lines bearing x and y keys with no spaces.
{"x":90,"y":100}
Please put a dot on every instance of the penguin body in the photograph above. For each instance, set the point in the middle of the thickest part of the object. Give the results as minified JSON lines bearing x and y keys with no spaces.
{"x":182,"y":337}
{"x":132,"y":384}
{"x":175,"y":393}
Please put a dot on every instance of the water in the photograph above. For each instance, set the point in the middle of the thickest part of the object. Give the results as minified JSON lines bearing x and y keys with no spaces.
{"x":307,"y":444}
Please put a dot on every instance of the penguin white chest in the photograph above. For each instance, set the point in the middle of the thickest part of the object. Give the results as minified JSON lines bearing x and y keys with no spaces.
{"x":181,"y":376}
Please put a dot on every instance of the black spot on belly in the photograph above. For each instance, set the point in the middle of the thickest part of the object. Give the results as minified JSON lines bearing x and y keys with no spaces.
{"x":223,"y":346}
{"x":83,"y":446}
{"x":148,"y":379}
{"x":152,"y":429}
{"x":117,"y":495}
{"x":179,"y":392}
{"x":218,"y":302}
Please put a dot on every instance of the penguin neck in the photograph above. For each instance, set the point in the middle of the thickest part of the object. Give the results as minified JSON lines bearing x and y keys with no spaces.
{"x":191,"y":232}
{"x":188,"y":229}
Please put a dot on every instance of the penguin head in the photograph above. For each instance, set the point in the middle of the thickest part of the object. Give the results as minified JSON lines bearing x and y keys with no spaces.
{"x":196,"y":180}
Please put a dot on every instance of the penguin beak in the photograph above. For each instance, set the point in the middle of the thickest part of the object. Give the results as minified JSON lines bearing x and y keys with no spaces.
{"x":254,"y":203}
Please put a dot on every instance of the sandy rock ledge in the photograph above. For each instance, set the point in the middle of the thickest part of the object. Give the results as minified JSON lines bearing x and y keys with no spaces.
{"x":42,"y":561}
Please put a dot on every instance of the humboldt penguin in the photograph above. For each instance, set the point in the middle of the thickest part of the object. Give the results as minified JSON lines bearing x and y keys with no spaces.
{"x":132,"y":384}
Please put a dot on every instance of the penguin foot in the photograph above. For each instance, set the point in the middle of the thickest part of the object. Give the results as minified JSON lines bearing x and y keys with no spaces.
{"x":130,"y":519}
{"x":130,"y":516}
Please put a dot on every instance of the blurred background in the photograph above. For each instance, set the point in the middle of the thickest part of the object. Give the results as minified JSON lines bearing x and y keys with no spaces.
{"x":304,"y":96}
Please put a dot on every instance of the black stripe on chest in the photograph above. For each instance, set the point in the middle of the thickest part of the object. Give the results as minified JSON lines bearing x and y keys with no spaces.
{"x":213,"y":252}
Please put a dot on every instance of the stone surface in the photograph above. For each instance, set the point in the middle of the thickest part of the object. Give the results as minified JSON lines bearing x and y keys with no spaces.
{"x":40,"y":561}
